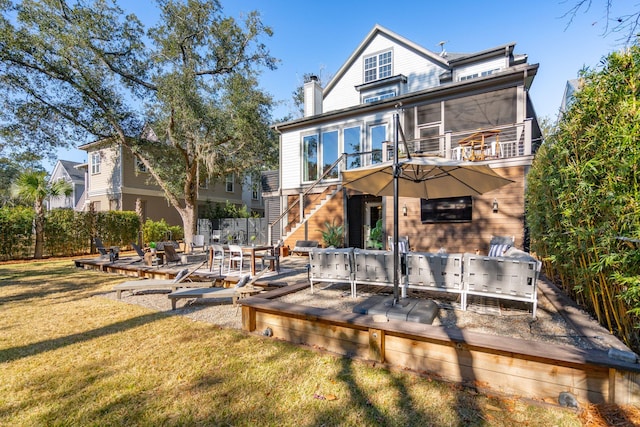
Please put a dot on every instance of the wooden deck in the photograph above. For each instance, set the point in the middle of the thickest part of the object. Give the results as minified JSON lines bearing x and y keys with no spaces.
{"x":513,"y":366}
{"x":127,"y":266}
{"x":507,"y":365}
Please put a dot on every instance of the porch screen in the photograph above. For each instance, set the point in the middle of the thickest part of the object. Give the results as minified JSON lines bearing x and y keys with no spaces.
{"x":481,"y":111}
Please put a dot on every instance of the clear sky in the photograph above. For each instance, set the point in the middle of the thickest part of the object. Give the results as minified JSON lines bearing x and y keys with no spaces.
{"x":318,"y":37}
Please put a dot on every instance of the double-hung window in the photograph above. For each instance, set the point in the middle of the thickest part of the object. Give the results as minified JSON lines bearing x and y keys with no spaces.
{"x":378,"y":66}
{"x":95,"y":163}
{"x":229,"y":181}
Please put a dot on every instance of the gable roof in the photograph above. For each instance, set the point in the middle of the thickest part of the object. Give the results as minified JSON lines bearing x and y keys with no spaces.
{"x":74,"y":173}
{"x":376,"y":31}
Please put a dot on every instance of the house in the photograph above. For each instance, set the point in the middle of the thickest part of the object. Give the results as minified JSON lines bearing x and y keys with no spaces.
{"x":72,"y":173}
{"x":116,"y":180}
{"x":444,"y":102}
{"x":570,"y":89}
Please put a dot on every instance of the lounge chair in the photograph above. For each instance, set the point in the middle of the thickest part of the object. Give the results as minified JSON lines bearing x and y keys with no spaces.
{"x":139,"y":251}
{"x":170,"y":255}
{"x":112,"y":252}
{"x":244,"y":287}
{"x":180,"y":281}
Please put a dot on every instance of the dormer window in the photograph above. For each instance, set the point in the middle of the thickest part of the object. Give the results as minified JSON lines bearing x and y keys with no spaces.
{"x":377,"y":66}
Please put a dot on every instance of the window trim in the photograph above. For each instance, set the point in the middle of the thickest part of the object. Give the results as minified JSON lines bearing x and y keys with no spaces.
{"x":229,"y":181}
{"x":371,"y":73}
{"x":139,"y":166}
{"x":96,"y":162}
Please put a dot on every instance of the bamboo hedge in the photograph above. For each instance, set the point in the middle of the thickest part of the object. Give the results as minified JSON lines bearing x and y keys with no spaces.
{"x":583,"y":200}
{"x":67,"y":232}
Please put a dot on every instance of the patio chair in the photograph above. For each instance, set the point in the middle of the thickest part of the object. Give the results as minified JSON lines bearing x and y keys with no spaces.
{"x":217,"y":254}
{"x":181,"y":280}
{"x":139,"y":251}
{"x":170,"y":255}
{"x":273,"y":256}
{"x":235,"y":256}
{"x":112,"y":252}
{"x":198,"y":242}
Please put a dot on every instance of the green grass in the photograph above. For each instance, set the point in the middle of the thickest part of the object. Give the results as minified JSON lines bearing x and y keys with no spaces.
{"x":69,"y":356}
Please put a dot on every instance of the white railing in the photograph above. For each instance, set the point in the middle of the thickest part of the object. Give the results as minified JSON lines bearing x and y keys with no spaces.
{"x":512,"y":140}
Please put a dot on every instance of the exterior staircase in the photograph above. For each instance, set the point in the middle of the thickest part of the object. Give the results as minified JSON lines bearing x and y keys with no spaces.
{"x":295,"y":231}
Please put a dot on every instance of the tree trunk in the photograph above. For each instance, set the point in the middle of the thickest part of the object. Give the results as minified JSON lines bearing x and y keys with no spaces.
{"x":141,"y":219}
{"x":188,"y":215}
{"x":39,"y":226}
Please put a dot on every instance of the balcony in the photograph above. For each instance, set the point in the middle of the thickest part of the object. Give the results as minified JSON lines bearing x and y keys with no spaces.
{"x":482,"y":144}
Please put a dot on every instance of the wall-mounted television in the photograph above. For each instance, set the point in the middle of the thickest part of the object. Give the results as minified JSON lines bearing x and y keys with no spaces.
{"x":449,"y":209}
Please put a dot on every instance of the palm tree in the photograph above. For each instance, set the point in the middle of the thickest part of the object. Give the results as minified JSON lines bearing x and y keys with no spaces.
{"x":34,"y":187}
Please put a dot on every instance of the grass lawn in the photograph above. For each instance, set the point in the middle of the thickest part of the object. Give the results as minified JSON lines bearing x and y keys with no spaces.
{"x":71,"y":357}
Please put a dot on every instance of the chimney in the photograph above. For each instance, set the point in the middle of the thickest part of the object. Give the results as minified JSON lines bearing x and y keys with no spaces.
{"x":312,"y":97}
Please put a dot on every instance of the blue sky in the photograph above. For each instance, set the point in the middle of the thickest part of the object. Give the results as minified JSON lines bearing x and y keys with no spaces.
{"x":319,"y":36}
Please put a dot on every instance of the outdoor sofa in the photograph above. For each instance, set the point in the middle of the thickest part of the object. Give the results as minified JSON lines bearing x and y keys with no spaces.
{"x":512,"y":276}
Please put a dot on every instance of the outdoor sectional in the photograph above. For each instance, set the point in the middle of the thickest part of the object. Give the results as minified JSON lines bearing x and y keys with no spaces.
{"x":505,"y":277}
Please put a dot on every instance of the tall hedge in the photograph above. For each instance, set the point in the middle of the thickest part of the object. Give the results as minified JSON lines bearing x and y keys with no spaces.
{"x":583,"y":198}
{"x":67,"y":232}
{"x":16,"y":232}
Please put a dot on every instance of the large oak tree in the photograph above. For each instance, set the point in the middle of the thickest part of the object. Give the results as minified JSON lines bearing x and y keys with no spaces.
{"x":181,"y":96}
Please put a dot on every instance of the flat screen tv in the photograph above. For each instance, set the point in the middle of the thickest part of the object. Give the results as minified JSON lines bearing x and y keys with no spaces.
{"x":449,"y":209}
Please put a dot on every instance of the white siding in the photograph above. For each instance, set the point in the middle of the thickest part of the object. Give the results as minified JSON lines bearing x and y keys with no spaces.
{"x":420,"y":71}
{"x":496,"y":63}
{"x":290,"y":161}
{"x":108,"y":180}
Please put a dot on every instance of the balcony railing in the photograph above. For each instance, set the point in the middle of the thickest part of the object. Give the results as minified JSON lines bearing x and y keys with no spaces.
{"x":507,"y":141}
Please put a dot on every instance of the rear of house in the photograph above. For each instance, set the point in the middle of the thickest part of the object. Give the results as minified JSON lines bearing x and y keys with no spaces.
{"x":461,"y":106}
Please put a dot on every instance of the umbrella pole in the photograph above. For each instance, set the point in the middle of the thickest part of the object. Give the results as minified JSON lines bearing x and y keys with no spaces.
{"x":396,"y":251}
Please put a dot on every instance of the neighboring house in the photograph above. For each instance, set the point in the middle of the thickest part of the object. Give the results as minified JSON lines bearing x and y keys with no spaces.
{"x":72,"y":173}
{"x":441,"y":99}
{"x":570,"y":89}
{"x":116,"y":180}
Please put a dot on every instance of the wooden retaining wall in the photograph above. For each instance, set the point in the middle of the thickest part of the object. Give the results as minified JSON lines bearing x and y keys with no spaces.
{"x":507,"y":365}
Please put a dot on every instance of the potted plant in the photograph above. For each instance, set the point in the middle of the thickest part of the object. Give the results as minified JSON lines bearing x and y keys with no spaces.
{"x":332,"y":235}
{"x":375,"y":235}
{"x":152,"y":246}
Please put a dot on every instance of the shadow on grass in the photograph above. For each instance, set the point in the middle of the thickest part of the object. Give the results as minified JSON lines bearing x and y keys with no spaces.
{"x":47,"y":280}
{"x":16,"y":353}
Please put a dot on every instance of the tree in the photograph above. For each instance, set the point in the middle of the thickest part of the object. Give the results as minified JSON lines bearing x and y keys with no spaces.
{"x":626,"y":23}
{"x":583,"y":195}
{"x":183,"y":99}
{"x":34,"y":187}
{"x":10,"y":169}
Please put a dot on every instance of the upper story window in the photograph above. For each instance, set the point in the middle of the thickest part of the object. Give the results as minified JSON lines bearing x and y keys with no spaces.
{"x":377,"y":66}
{"x":140,"y":167}
{"x":229,"y":183}
{"x":95,"y":163}
{"x":255,"y":190}
{"x":480,"y":74}
{"x":380,"y":96}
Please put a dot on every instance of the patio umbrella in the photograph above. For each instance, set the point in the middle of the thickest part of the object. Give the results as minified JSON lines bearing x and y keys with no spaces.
{"x":425,"y":177}
{"x":420,"y":177}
